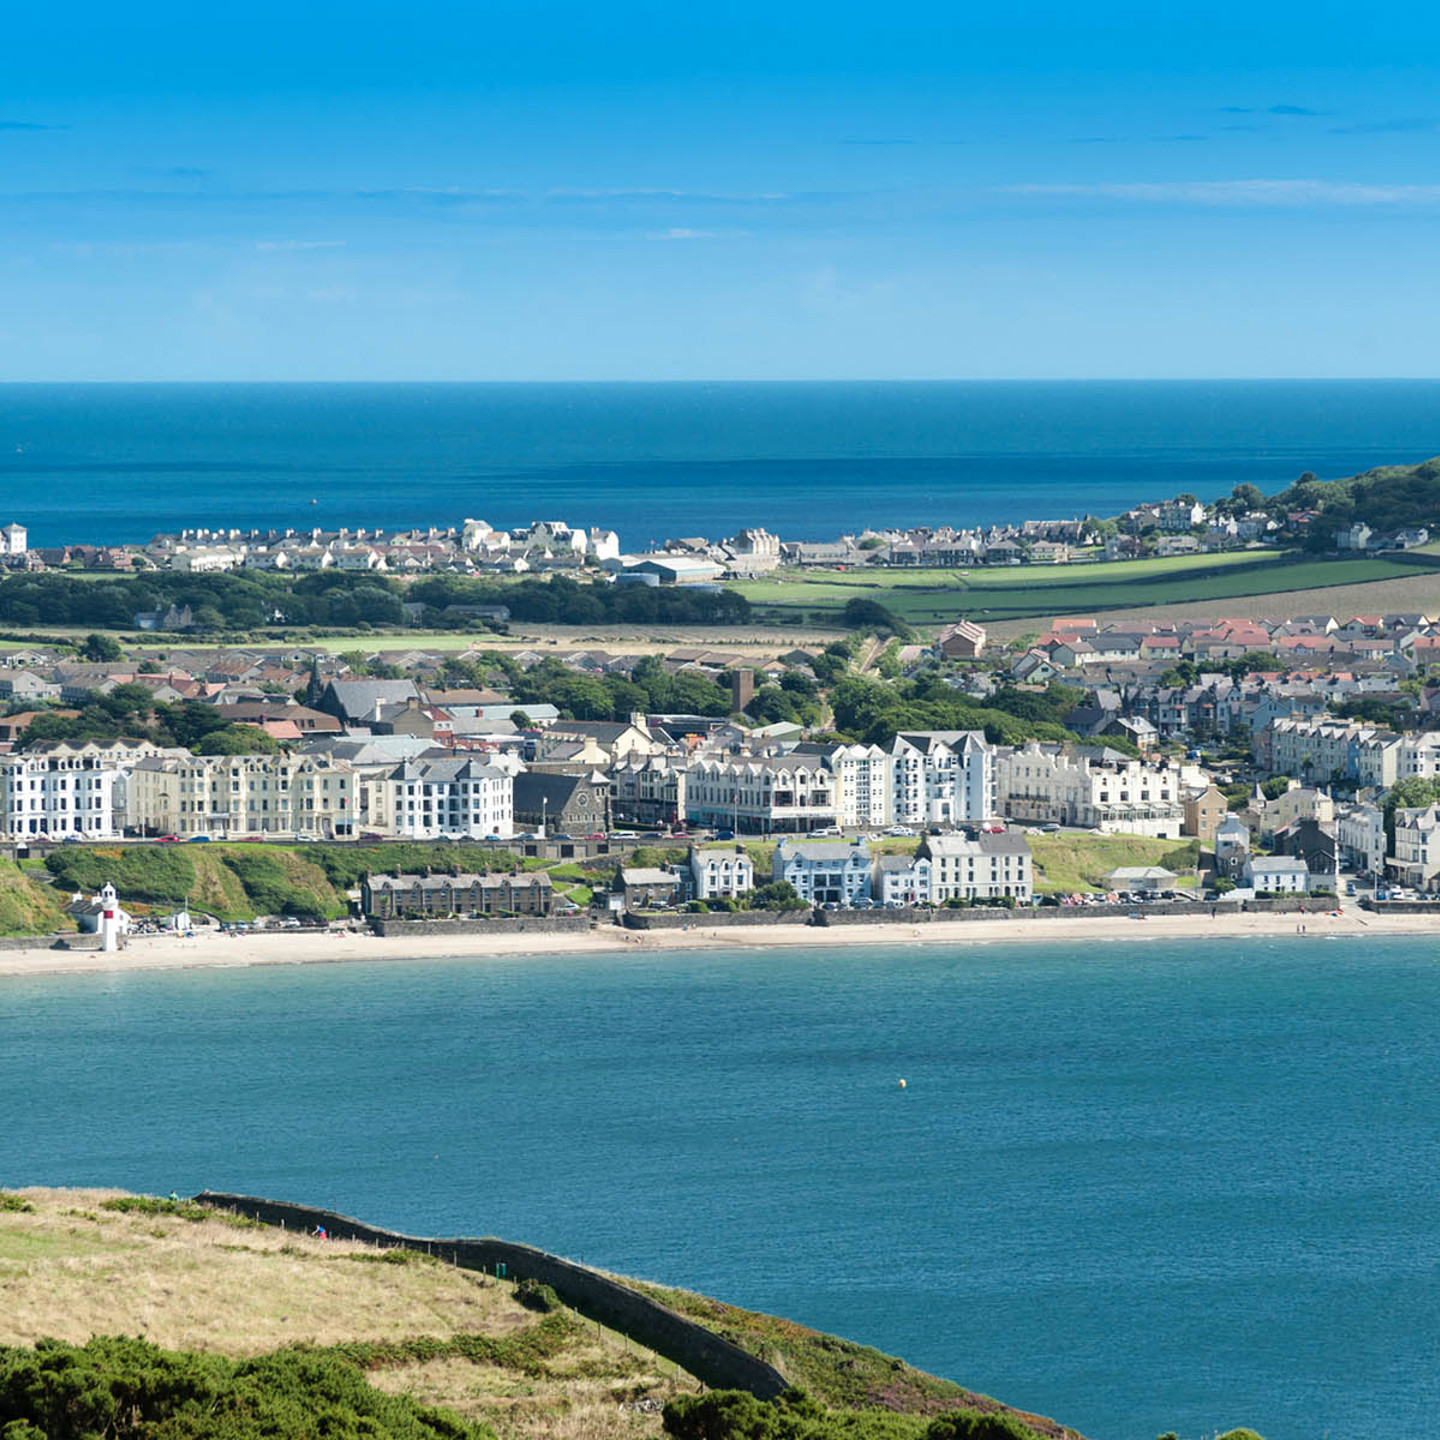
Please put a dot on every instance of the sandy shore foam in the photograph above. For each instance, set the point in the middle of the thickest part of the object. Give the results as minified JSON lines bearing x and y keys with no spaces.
{"x":211,"y":949}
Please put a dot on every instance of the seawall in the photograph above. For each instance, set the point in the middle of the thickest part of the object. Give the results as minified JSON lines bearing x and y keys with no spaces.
{"x":716,"y":1362}
{"x":511,"y":925}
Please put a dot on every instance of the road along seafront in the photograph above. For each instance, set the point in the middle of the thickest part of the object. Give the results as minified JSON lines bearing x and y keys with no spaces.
{"x":210,"y":948}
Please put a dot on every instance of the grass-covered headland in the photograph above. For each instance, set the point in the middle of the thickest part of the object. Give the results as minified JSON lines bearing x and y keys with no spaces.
{"x":129,"y":1317}
{"x":135,"y":1318}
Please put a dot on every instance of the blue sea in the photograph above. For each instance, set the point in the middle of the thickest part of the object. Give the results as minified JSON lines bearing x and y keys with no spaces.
{"x":1173,"y":1186}
{"x":106,"y":463}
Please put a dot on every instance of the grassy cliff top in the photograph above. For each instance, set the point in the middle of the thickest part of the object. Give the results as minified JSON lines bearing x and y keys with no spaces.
{"x":79,"y":1263}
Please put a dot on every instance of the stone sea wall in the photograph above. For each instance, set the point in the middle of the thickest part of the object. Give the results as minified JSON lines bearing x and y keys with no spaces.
{"x":716,"y":920}
{"x":715,"y":1362}
{"x":513,"y":925}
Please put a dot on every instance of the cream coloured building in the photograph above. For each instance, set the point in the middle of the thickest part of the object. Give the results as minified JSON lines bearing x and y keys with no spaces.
{"x":233,"y":795}
{"x":1091,"y":787}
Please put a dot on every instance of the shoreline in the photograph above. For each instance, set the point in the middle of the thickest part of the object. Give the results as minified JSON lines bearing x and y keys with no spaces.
{"x":211,"y":950}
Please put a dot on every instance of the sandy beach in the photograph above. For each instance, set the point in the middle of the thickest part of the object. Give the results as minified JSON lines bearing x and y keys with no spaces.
{"x":210,"y":949}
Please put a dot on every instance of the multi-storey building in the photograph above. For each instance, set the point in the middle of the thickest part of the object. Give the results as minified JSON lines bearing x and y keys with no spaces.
{"x":1326,"y":750}
{"x":863,"y":782}
{"x":987,"y":866}
{"x":717,"y":874}
{"x":223,"y":795}
{"x":431,"y":896}
{"x":58,"y":796}
{"x":824,"y":873}
{"x":1419,"y":755}
{"x":1361,"y":831}
{"x":902,"y":880}
{"x":1417,"y":846}
{"x":1091,"y":787}
{"x":942,"y":777}
{"x":650,"y":789}
{"x":762,"y":794}
{"x":452,"y":799}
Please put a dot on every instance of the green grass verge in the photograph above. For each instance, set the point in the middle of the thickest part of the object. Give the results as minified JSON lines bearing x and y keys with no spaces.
{"x":1065,"y":864}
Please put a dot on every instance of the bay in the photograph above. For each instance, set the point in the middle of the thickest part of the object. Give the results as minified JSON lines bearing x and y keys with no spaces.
{"x":1184,"y":1186}
{"x":118,"y":463}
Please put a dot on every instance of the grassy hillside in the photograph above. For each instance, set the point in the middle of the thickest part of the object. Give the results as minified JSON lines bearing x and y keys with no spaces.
{"x":28,"y":906}
{"x":233,"y":882}
{"x":1067,"y":863}
{"x":79,"y":1263}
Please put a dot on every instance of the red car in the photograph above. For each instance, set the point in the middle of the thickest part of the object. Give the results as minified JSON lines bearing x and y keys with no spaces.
{"x":168,"y":840}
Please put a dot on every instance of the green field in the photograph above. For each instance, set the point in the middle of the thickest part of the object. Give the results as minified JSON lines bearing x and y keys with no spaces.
{"x":925,"y":597}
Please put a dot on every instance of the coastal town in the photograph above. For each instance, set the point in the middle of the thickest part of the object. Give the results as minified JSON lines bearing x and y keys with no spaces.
{"x":1249,"y":758}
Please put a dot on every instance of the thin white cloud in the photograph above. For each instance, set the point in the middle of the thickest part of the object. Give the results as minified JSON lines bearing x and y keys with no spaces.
{"x":684,"y":232}
{"x":1239,"y":194}
{"x":270,"y":245}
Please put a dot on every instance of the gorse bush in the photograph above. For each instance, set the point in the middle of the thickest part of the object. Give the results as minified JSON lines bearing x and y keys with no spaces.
{"x":154,"y":1205}
{"x":535,"y":1296}
{"x":115,"y":1388}
{"x":738,"y":1415}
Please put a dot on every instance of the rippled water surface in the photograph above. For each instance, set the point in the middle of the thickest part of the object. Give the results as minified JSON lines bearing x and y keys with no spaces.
{"x":1177,"y":1186}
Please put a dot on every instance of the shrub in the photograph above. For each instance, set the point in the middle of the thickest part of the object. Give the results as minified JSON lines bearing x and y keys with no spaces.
{"x":129,"y":1389}
{"x":535,"y":1296}
{"x":154,"y":1205}
{"x":738,"y":1415}
{"x":14,"y":1204}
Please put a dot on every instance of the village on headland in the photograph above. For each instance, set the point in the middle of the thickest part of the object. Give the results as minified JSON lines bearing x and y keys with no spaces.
{"x":874,"y":771}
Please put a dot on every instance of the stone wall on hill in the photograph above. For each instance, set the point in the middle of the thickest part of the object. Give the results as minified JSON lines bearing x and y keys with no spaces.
{"x":712,"y":1360}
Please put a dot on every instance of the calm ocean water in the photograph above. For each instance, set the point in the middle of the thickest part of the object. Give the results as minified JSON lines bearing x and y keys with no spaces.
{"x":119,"y":462}
{"x":1179,"y":1186}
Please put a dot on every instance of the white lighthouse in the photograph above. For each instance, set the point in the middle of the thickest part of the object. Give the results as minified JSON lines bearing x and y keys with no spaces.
{"x":114,"y":922}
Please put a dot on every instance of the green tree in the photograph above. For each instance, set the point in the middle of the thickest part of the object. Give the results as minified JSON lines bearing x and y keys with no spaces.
{"x":238,"y":740}
{"x":101,"y":648}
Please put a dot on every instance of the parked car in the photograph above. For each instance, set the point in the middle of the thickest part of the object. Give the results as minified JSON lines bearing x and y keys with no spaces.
{"x":624,"y":835}
{"x":71,"y":840}
{"x":371,"y":835}
{"x":168,"y":840}
{"x":724,"y":834}
{"x":901,"y":832}
{"x":828,"y":830}
{"x":198,"y":840}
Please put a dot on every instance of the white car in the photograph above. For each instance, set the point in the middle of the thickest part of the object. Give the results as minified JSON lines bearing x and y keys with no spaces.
{"x":901,"y":832}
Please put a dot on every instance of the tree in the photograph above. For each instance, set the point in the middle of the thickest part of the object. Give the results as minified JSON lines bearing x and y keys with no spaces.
{"x":1247,"y":497}
{"x":777,"y":895}
{"x":103,"y":649}
{"x":238,"y":740}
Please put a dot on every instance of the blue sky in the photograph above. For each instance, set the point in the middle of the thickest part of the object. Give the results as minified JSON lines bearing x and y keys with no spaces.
{"x":531,"y":190}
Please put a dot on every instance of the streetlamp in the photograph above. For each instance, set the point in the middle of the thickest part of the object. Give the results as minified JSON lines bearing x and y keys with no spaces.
{"x":544,"y":809}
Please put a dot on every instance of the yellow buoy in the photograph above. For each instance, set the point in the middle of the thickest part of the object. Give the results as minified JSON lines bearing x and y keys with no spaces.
{"x":902,"y":1084}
